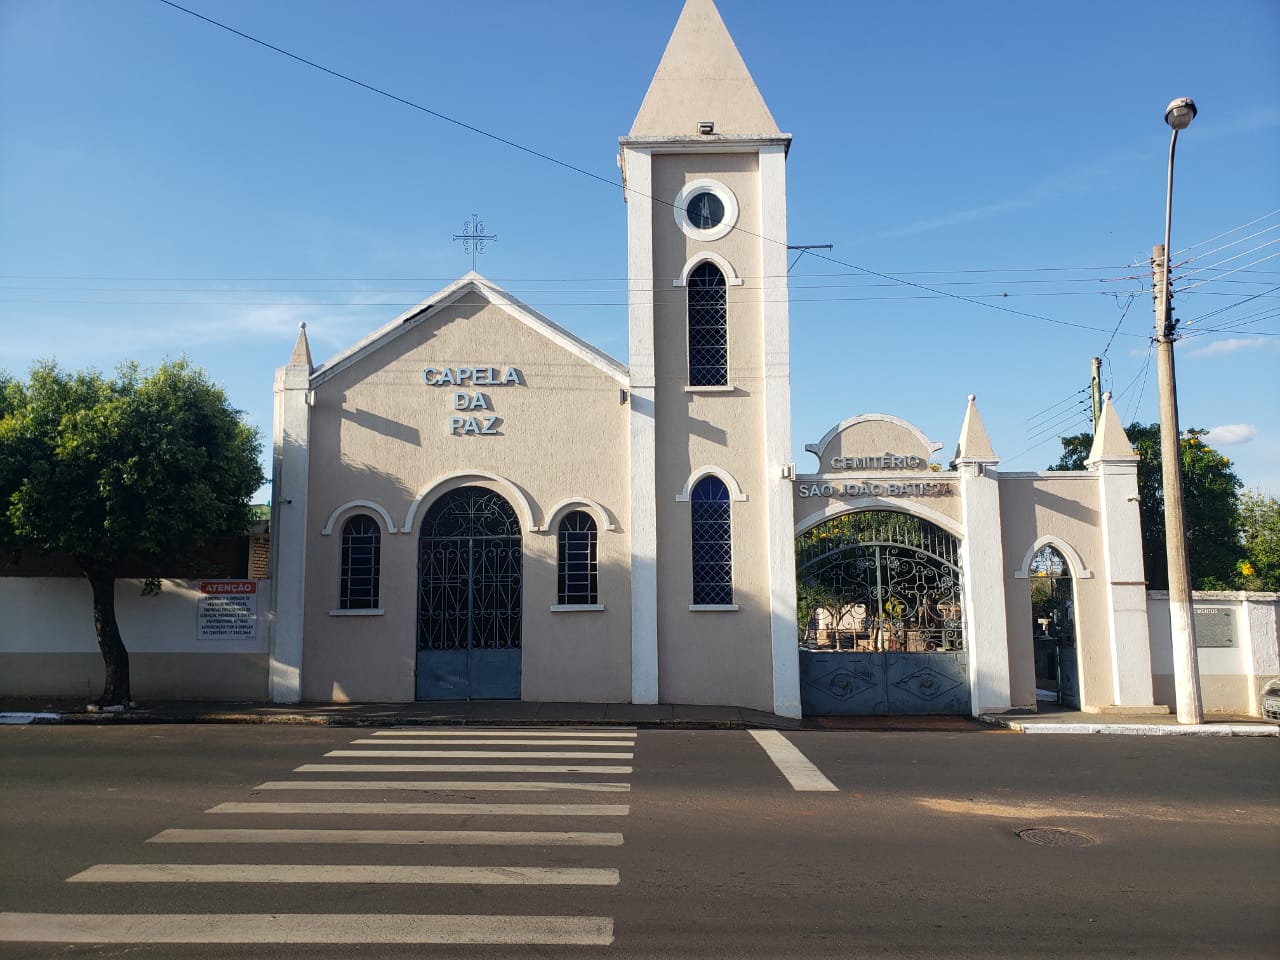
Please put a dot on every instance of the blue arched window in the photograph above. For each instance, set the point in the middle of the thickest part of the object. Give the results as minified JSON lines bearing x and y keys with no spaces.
{"x":577,"y":565}
{"x":708,"y":322}
{"x":361,"y":558}
{"x":712,"y":542}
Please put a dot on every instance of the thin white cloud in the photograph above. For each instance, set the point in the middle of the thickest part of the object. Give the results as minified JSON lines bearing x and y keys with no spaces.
{"x":1230,"y":345}
{"x":1231,"y":433}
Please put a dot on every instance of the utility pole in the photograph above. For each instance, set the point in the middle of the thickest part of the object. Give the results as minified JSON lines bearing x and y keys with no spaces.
{"x":1095,"y":388}
{"x":1186,"y":667}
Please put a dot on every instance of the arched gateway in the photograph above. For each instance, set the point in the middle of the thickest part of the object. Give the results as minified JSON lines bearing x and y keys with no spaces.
{"x":880,"y":619}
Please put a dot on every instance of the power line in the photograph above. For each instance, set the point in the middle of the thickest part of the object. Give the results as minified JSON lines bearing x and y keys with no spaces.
{"x":1200,"y":283}
{"x":1227,"y":232}
{"x":1232,"y":306}
{"x":1053,"y":406}
{"x":586,"y":173}
{"x":1225,"y":246}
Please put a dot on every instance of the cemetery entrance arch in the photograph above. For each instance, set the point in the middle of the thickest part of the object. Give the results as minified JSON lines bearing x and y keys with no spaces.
{"x":880,"y":618}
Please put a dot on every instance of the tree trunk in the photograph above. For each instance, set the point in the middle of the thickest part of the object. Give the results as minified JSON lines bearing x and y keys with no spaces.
{"x":115,"y":657}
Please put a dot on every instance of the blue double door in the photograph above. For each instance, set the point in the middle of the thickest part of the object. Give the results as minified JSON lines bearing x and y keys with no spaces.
{"x":469,"y":599}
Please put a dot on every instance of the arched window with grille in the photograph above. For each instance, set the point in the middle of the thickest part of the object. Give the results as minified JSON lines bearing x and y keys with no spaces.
{"x":577,"y":566}
{"x":708,"y":327}
{"x":712,"y":543}
{"x":361,"y":559}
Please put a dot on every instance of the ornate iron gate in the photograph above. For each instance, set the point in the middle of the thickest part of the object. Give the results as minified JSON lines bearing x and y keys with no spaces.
{"x":880,"y":617}
{"x":469,"y":609}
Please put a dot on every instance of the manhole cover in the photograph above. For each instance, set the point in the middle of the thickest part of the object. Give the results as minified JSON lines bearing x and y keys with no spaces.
{"x":1056,"y":837}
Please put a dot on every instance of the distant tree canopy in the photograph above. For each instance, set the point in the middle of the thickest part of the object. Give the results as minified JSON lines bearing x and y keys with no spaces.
{"x":1211,"y":506}
{"x":146,"y":464}
{"x":1260,"y":531}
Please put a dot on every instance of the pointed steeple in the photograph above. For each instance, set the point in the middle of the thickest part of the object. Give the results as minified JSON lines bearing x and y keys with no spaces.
{"x":974,"y":444}
{"x":702,"y":78}
{"x":1110,"y":442}
{"x":301,"y":356}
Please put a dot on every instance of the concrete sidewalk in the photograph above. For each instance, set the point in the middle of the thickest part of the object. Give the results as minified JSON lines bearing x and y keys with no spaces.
{"x":677,"y":716}
{"x":469,"y":713}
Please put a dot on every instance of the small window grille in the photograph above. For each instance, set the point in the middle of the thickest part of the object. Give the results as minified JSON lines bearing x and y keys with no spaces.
{"x":361,"y":557}
{"x":712,"y":542}
{"x":577,"y":559}
{"x":708,"y":333}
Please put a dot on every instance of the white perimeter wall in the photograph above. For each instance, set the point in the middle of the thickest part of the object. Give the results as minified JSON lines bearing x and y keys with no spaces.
{"x":48,"y":646}
{"x":1230,"y":677}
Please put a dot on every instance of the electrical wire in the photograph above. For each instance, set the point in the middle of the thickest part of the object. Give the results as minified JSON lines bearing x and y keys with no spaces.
{"x":1052,"y":406}
{"x":605,"y":180}
{"x":1226,"y":233}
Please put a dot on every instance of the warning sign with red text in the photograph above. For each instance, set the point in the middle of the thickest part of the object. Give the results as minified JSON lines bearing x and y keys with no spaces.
{"x":228,"y":610}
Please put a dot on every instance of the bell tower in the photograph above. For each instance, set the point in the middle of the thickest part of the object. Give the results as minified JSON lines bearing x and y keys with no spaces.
{"x":713,"y":558}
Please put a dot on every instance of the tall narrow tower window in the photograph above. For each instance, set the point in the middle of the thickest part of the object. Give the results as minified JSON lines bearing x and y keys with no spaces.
{"x":708,"y":327}
{"x":712,"y":543}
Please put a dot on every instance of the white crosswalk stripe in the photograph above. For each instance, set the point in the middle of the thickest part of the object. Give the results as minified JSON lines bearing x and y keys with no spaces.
{"x":517,"y":752}
{"x":337,"y":873}
{"x":340,"y":928}
{"x":458,"y":768}
{"x":484,"y":754}
{"x":490,"y":754}
{"x":613,"y":733}
{"x":433,"y":809}
{"x":508,"y":838}
{"x":480,"y":786}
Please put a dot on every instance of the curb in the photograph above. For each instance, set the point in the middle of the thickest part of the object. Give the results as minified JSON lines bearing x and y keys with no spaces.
{"x":1141,"y":729}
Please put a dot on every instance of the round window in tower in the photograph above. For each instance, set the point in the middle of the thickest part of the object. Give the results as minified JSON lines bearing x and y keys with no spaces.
{"x":706,"y":210}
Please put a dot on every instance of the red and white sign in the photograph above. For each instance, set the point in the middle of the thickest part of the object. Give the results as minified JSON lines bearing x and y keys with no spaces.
{"x":228,"y":610}
{"x":228,"y":586}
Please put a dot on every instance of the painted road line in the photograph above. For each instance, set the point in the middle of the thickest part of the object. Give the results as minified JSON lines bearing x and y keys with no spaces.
{"x":301,"y":928}
{"x":483,"y":754}
{"x":611,"y":733}
{"x":433,"y":809}
{"x":342,"y":873}
{"x":506,"y":786}
{"x":482,"y":838}
{"x":457,"y":768}
{"x":793,"y":764}
{"x":498,"y":742}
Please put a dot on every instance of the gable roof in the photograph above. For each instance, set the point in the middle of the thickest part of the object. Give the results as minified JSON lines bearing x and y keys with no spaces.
{"x":471,"y":283}
{"x":702,"y":77}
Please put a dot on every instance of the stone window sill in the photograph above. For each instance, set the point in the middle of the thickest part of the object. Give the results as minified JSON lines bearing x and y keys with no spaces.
{"x":369,"y":612}
{"x":713,"y":607}
{"x":577,"y":607}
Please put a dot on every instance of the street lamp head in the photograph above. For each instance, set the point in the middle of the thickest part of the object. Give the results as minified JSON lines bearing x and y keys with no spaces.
{"x":1180,"y":113}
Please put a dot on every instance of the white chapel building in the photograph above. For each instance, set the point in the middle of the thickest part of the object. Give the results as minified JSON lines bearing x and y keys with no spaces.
{"x":472,"y":502}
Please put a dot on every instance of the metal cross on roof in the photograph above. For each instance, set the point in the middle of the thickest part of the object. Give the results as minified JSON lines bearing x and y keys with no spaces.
{"x":473,"y":238}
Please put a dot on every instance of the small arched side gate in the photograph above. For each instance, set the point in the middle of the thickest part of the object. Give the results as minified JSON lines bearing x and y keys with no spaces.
{"x":1053,"y":629}
{"x":469,"y":598}
{"x":880,"y":617}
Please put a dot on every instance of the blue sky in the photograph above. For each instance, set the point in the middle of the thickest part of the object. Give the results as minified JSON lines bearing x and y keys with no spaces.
{"x":169,"y":188}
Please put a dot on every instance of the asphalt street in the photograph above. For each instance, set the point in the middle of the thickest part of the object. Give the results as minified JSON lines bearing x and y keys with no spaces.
{"x":192,"y":841}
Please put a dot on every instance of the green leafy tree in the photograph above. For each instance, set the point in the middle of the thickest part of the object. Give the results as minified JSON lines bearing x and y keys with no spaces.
{"x":145,"y":465}
{"x":1210,"y":504}
{"x":1260,"y":533}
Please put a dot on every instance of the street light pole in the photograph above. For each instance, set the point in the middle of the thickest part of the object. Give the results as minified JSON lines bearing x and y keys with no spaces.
{"x":1186,"y":670}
